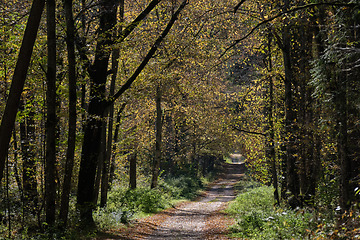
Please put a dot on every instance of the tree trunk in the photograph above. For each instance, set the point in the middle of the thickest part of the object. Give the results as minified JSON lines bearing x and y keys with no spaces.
{"x":93,"y":126}
{"x":344,"y":159}
{"x":106,"y":165}
{"x":132,"y":161}
{"x":69,"y":164}
{"x":50,"y":158}
{"x":291,"y":172}
{"x":27,"y":137}
{"x":113,"y":152}
{"x":98,"y":75}
{"x":170,"y":144}
{"x":271,"y":154}
{"x":101,"y":160}
{"x":106,"y":159}
{"x":16,"y":160}
{"x":17,"y":84}
{"x":158,"y":129}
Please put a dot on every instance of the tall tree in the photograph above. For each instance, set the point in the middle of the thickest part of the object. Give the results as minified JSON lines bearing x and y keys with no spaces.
{"x":98,"y":75}
{"x":50,"y":162}
{"x":335,"y":83}
{"x":133,"y":169}
{"x":158,"y":138}
{"x":69,"y":164}
{"x":18,"y":80}
{"x":346,"y":81}
{"x":115,"y":140}
{"x":270,"y":148}
{"x":109,"y":142}
{"x":290,"y":162}
{"x":98,"y":72}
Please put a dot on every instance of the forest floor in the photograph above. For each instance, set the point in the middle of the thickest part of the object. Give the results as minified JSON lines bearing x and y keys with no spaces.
{"x":202,"y":218}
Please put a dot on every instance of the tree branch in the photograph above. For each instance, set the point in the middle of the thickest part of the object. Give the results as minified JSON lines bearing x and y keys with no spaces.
{"x":312,"y":5}
{"x":150,"y":54}
{"x":81,"y":45}
{"x":137,"y":21}
{"x":249,"y":132}
{"x":238,"y":5}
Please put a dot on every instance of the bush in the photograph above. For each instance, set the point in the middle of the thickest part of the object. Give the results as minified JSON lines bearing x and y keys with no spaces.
{"x":258,"y":219}
{"x":144,"y":200}
{"x":106,"y":218}
{"x":123,"y":204}
{"x":181,"y":187}
{"x":257,"y":199}
{"x":135,"y":200}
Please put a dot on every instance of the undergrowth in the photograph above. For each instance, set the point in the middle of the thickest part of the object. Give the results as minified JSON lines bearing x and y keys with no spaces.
{"x":258,"y":218}
{"x":125,"y":204}
{"x":122,"y":207}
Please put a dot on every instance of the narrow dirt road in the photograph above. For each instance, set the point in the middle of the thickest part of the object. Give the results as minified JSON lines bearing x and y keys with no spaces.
{"x":200,"y":219}
{"x":197,"y":220}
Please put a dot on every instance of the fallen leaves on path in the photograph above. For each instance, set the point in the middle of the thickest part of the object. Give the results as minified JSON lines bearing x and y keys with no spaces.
{"x":141,"y":228}
{"x":217,"y":225}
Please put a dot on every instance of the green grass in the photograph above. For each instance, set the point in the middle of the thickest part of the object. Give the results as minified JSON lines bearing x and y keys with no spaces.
{"x":257,"y":218}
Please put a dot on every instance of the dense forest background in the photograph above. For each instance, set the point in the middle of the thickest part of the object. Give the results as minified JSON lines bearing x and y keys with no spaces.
{"x":97,"y":94}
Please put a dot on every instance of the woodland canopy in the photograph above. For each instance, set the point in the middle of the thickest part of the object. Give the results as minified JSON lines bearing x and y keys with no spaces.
{"x":96,"y":94}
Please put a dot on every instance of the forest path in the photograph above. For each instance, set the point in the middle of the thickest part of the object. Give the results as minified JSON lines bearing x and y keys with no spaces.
{"x":199,"y":219}
{"x":202,"y":219}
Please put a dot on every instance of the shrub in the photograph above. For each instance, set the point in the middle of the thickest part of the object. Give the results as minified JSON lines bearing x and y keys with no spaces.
{"x":106,"y":218}
{"x":123,"y":204}
{"x":143,"y":199}
{"x":181,"y":187}
{"x":256,"y":199}
{"x":258,"y":219}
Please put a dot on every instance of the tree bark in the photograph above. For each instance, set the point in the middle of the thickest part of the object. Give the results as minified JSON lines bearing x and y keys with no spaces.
{"x":93,"y":125}
{"x":158,"y":129}
{"x":69,"y":164}
{"x":17,"y":84}
{"x":341,"y":106}
{"x":50,"y":158}
{"x":271,"y":154}
{"x":291,"y":172}
{"x":98,"y":75}
{"x":116,"y":136}
{"x":132,"y":161}
{"x":101,"y":160}
{"x":106,"y":165}
{"x":16,"y":160}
